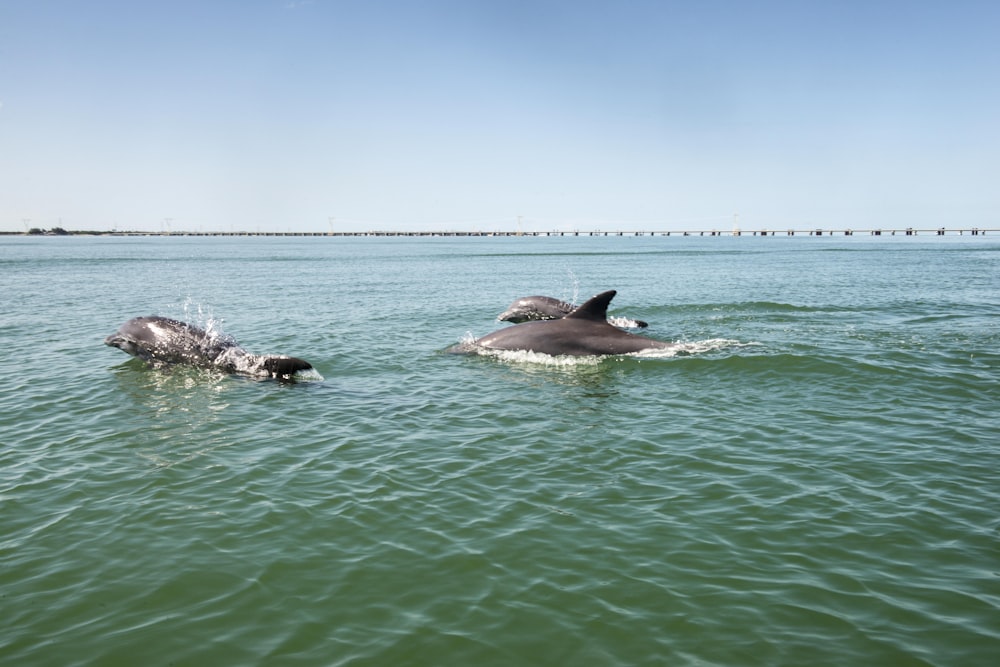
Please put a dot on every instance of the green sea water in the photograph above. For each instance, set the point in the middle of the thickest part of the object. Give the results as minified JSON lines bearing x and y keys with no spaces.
{"x":811,"y":480}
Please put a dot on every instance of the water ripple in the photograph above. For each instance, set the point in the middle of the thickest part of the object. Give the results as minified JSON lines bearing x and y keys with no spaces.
{"x":821,"y":492}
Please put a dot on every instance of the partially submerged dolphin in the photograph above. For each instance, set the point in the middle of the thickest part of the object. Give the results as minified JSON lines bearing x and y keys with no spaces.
{"x":585,"y":331}
{"x":530,"y":308}
{"x":158,"y":339}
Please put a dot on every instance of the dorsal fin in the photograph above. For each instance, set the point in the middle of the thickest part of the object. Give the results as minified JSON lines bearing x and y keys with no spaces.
{"x":596,"y":308}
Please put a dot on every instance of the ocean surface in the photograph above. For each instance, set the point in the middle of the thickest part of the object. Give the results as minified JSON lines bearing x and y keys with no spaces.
{"x":811,"y":479}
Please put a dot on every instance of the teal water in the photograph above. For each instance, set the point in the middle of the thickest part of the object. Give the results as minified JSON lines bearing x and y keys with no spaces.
{"x":814,"y":480}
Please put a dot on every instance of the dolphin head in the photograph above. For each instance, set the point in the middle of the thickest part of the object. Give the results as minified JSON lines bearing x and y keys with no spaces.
{"x":162,"y":339}
{"x":123,"y":343}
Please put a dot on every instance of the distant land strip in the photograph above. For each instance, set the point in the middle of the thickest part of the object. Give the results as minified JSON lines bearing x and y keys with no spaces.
{"x":908,"y":231}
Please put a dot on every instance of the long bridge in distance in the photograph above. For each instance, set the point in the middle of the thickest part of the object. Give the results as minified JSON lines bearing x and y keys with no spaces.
{"x":907,"y":231}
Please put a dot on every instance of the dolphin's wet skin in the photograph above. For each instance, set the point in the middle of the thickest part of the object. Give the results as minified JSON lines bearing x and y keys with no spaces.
{"x":584,"y":331}
{"x":529,"y":308}
{"x":161,"y":340}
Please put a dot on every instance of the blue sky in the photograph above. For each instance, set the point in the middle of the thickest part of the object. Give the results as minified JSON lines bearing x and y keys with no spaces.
{"x":275,"y":115}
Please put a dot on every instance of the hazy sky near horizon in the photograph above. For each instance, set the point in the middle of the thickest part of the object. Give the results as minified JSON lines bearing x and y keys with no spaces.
{"x":276,"y":115}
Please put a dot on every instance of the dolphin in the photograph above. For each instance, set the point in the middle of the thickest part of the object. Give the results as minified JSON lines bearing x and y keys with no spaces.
{"x":583,"y":332}
{"x":162,"y":340}
{"x":529,"y":308}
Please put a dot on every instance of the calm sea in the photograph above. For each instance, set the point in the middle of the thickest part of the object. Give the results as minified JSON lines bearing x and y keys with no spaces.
{"x":814,"y":480}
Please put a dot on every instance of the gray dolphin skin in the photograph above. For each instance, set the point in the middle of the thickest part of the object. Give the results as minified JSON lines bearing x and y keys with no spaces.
{"x":530,"y":308}
{"x":158,"y":339}
{"x":584,"y":332}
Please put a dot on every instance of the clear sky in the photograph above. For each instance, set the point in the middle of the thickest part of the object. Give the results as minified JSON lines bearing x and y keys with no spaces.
{"x":278,"y":115}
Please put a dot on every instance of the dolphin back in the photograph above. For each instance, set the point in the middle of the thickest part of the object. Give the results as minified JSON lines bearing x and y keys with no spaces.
{"x":529,"y":308}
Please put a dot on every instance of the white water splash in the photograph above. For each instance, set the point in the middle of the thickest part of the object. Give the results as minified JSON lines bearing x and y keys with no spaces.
{"x":684,"y":349}
{"x":575,"y":282}
{"x":680,"y":349}
{"x":623,"y":322}
{"x":203,"y":317}
{"x":539,"y":358}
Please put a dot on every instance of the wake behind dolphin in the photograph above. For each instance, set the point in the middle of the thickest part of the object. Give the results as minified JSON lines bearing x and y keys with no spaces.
{"x":583,"y":332}
{"x":162,"y":340}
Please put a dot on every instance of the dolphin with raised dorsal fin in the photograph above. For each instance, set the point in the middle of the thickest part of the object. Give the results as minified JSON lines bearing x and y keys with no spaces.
{"x":529,"y":308}
{"x":584,"y":332}
{"x":158,"y":339}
